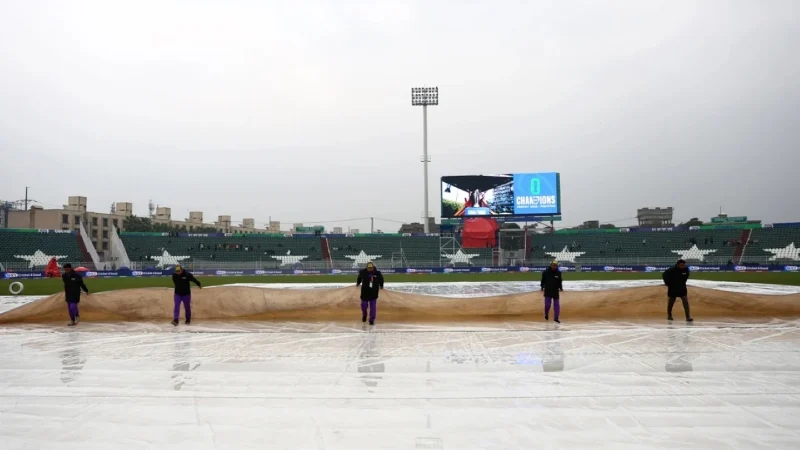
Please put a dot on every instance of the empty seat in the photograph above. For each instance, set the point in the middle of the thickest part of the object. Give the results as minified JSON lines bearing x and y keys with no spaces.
{"x":638,"y":247}
{"x":32,"y":249}
{"x":277,"y":251}
{"x":774,"y":244}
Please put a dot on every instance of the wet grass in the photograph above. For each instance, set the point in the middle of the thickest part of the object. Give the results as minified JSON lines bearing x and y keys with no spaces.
{"x":47,"y":287}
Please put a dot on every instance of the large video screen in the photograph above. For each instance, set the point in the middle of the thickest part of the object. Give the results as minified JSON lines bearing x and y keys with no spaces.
{"x":519,"y":194}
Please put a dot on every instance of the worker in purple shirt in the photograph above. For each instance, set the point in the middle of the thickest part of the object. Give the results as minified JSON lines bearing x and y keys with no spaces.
{"x":183,"y":294}
{"x":73,"y":285}
{"x":371,"y":282}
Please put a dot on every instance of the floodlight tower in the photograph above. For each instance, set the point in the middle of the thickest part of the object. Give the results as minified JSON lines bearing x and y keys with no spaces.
{"x":425,"y":96}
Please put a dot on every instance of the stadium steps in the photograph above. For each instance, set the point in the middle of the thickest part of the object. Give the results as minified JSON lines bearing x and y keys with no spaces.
{"x":87,"y":256}
{"x":528,"y":246}
{"x":325,"y":245}
{"x":740,"y":249}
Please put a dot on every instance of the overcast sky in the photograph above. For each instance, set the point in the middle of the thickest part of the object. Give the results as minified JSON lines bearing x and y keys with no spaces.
{"x":301,"y":110}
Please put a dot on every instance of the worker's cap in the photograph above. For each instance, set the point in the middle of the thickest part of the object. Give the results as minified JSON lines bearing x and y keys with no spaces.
{"x":370,"y":265}
{"x":554,"y":263}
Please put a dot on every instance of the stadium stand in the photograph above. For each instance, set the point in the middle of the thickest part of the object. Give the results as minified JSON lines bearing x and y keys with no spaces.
{"x":269,"y":250}
{"x":422,"y":249}
{"x":25,"y":249}
{"x":717,"y":245}
{"x":774,"y":244}
{"x":358,"y":250}
{"x":32,"y":249}
{"x":402,"y":251}
{"x":275,"y":251}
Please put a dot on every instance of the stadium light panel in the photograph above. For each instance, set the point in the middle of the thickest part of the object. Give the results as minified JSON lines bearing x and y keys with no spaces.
{"x":425,"y":96}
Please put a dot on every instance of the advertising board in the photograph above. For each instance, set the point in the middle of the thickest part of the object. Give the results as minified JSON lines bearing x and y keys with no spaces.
{"x":508,"y":195}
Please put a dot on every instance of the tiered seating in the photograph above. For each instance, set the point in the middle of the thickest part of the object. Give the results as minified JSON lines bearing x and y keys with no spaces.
{"x":645,"y":247}
{"x":22,"y":249}
{"x":783,"y":243}
{"x":715,"y":246}
{"x":145,"y":247}
{"x":397,"y":250}
{"x":482,"y":256}
{"x":374,"y":247}
{"x":423,"y":249}
{"x":357,"y":251}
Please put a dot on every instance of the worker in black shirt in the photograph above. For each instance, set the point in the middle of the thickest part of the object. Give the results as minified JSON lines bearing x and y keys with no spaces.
{"x":371,"y":282}
{"x":73,"y":285}
{"x":675,"y":279}
{"x":183,"y":294}
{"x":552,"y":287}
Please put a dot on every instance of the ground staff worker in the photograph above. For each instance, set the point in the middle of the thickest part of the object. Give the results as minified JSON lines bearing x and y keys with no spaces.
{"x":675,"y":279}
{"x":371,"y":282}
{"x":551,"y":285}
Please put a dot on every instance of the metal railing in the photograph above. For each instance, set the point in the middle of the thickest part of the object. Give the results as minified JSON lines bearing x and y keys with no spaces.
{"x":24,"y":266}
{"x":395,"y":263}
{"x":634,"y":261}
{"x":271,"y":264}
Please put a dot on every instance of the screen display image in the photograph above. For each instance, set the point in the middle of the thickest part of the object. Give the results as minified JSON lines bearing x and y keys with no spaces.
{"x":521,"y":194}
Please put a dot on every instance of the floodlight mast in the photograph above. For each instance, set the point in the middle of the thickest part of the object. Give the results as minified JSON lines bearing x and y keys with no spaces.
{"x":425,"y":96}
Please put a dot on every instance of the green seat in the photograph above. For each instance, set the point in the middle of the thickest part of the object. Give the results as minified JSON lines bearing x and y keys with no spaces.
{"x":773,"y":245}
{"x":31,"y":249}
{"x":273,"y":251}
{"x":399,"y":251}
{"x":357,"y":251}
{"x":638,"y":247}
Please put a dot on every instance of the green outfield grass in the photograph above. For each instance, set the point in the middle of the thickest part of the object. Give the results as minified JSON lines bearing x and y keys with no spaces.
{"x":47,"y":287}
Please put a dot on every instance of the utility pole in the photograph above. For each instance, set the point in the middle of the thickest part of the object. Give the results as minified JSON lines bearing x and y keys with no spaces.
{"x":371,"y":225}
{"x":26,"y":197}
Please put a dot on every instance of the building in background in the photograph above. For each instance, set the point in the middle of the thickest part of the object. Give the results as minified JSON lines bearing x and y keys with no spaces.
{"x":99,"y":226}
{"x":5,"y":207}
{"x":416,"y":227}
{"x":655,"y":217}
{"x":593,"y":225}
